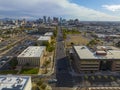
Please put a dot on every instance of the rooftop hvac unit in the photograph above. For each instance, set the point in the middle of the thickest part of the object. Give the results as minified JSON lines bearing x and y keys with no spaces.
{"x":101,"y":53}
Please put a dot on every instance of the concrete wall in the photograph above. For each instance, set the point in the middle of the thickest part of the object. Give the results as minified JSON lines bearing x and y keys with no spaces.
{"x":116,"y":65}
{"x":86,"y":66}
{"x":28,"y":85}
{"x":33,"y":61}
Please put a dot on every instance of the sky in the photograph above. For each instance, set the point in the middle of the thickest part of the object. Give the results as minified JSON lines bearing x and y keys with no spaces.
{"x":84,"y":10}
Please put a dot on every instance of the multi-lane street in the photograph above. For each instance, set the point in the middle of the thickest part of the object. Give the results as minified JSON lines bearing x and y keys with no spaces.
{"x":62,"y":66}
{"x":65,"y":79}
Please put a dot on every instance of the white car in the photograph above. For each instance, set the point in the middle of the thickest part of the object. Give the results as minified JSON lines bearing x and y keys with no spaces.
{"x":52,"y":81}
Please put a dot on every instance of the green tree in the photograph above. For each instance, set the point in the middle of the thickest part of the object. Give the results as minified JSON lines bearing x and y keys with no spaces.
{"x":46,"y":63}
{"x":40,"y":82}
{"x":92,"y":43}
{"x":13,"y":62}
{"x":55,"y":33}
{"x":72,"y":43}
{"x":45,"y":43}
{"x":35,"y":88}
{"x":43,"y":86}
{"x":52,"y":43}
{"x":50,"y":48}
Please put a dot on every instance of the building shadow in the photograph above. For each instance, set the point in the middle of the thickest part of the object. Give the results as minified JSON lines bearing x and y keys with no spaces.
{"x":63,"y":76}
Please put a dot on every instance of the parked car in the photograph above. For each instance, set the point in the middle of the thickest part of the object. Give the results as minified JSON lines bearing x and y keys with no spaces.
{"x":52,"y":81}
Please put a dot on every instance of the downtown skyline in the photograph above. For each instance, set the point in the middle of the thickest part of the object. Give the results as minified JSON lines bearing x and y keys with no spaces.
{"x":84,"y":10}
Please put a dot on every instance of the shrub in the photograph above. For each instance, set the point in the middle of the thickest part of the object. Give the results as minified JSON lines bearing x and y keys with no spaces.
{"x":29,"y":71}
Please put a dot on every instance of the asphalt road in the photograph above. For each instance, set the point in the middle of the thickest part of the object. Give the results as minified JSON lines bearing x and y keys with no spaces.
{"x":62,"y":66}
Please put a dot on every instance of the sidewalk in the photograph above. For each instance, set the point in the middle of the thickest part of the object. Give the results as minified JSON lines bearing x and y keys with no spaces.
{"x":97,"y":73}
{"x":51,"y":67}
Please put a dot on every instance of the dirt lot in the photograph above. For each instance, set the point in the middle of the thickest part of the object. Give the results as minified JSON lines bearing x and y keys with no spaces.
{"x":77,"y":39}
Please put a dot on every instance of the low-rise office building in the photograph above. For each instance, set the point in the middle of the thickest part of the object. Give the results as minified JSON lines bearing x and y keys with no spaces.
{"x":33,"y":55}
{"x":10,"y":82}
{"x":104,"y":59}
{"x":103,"y":88}
{"x":43,"y":39}
{"x":85,"y":60}
{"x":48,"y":34}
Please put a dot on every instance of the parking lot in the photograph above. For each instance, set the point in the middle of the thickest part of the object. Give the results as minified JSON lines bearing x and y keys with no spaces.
{"x":15,"y":51}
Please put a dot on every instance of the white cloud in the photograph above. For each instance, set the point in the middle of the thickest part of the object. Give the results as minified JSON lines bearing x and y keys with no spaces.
{"x":38,"y":8}
{"x":112,"y":7}
{"x":6,"y":9}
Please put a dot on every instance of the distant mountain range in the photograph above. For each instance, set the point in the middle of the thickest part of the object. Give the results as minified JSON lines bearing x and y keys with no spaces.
{"x":6,"y":19}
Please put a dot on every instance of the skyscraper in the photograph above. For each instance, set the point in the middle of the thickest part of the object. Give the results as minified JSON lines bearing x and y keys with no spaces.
{"x":44,"y":20}
{"x":49,"y":20}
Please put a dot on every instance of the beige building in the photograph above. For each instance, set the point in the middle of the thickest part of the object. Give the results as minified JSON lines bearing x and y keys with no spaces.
{"x":104,"y":59}
{"x":43,"y":39}
{"x":33,"y":55}
{"x":48,"y":34}
{"x":103,"y":88}
{"x":10,"y":82}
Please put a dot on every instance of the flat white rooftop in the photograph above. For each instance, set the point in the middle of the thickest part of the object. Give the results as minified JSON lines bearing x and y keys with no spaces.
{"x":84,"y":53}
{"x":10,"y":82}
{"x":44,"y":38}
{"x":32,"y":51}
{"x":112,"y":54}
{"x":107,"y":47}
{"x":48,"y":34}
{"x":104,"y":88}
